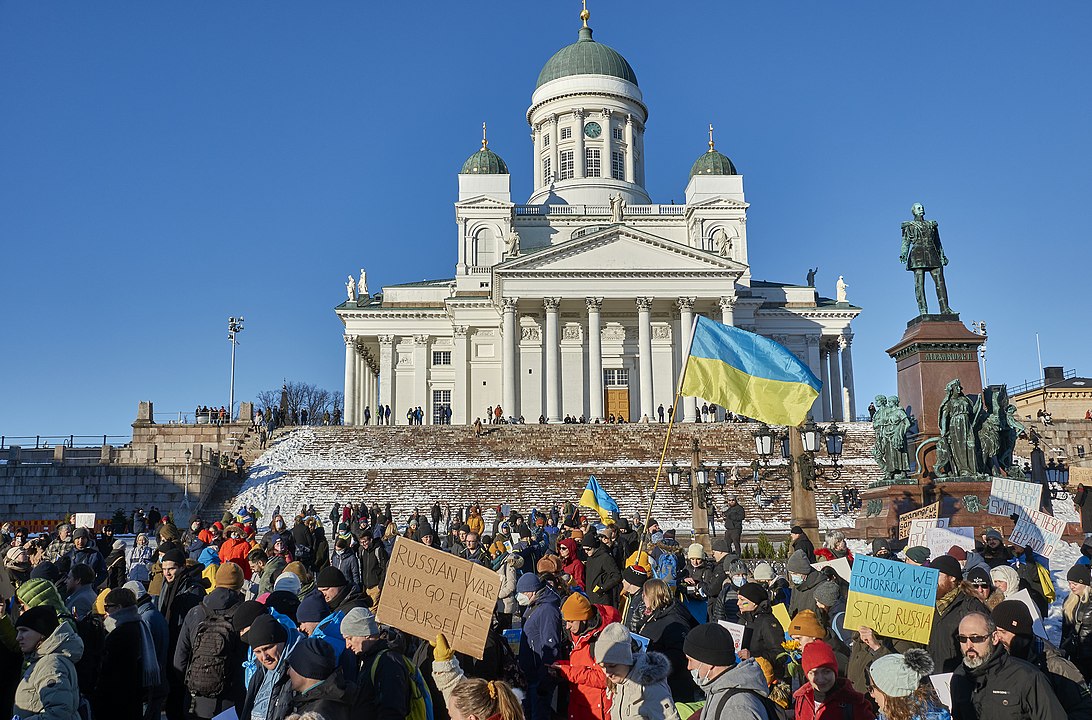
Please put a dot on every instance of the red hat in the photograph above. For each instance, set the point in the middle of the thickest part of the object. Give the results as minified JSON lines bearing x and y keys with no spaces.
{"x":818,"y":654}
{"x":958,"y":553}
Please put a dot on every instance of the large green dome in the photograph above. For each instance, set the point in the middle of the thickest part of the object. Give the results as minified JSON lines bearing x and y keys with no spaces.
{"x":586,"y":57}
{"x":713,"y":163}
{"x":484,"y":162}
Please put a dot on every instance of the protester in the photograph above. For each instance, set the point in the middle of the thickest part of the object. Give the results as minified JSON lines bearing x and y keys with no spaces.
{"x":766,"y":633}
{"x":895,"y":685}
{"x":588,"y":698}
{"x":800,"y":542}
{"x":382,"y":680}
{"x":638,"y":680}
{"x":804,"y":580}
{"x":732,"y":691}
{"x":471,"y":698}
{"x":318,"y":684}
{"x":122,"y":666}
{"x":955,"y":600}
{"x":825,"y":695}
{"x":1077,"y":619}
{"x":49,"y":688}
{"x":541,"y":642}
{"x":666,"y":625}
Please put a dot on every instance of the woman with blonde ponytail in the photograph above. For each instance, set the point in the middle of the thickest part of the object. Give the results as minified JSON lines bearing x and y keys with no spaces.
{"x":471,"y":698}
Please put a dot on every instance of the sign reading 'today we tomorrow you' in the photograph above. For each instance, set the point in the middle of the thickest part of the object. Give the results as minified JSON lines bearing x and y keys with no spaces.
{"x":894,"y":599}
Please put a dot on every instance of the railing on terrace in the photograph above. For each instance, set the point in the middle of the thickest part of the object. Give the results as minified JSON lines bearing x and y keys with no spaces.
{"x":667,"y":210}
{"x":69,"y":441}
{"x":1041,"y":382}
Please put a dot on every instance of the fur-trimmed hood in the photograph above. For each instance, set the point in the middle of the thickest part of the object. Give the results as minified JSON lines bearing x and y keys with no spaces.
{"x":649,"y":668}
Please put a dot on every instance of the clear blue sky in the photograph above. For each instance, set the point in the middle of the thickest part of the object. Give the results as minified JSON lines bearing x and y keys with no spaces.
{"x":166,"y":165}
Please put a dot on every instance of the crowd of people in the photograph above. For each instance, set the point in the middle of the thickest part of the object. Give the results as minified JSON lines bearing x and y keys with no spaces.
{"x":593,"y":621}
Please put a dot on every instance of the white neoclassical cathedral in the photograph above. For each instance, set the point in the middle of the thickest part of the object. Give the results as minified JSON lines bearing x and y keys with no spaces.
{"x":580,"y":301}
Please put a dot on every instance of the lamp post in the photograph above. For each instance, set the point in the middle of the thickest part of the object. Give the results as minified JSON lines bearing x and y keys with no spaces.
{"x":185,"y":507}
{"x":699,"y":477}
{"x":235,"y":326}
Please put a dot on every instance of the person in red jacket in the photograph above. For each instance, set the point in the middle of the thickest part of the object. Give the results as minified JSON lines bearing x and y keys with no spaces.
{"x":571,"y":564}
{"x":826,"y":696}
{"x":587,"y":682}
{"x":236,"y":549}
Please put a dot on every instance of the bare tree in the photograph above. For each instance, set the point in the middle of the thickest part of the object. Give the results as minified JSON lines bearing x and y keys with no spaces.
{"x":302,"y":396}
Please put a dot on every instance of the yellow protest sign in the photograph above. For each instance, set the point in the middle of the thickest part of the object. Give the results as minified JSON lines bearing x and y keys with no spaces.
{"x":929,"y":512}
{"x":428,"y":591}
{"x":782,"y":614}
{"x":895,"y":599}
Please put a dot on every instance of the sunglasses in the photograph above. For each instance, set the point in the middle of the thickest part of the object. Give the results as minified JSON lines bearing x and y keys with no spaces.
{"x":973,"y":639}
{"x":980,"y":585}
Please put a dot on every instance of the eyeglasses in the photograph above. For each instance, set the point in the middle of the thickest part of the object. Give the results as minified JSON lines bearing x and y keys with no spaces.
{"x":973,"y":639}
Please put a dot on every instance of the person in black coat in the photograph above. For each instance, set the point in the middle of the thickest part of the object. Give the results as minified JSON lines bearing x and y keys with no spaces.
{"x":181,"y":591}
{"x":602,"y":577}
{"x":800,"y":541}
{"x":317,"y":680}
{"x":121,"y":675}
{"x":1083,"y":499}
{"x":955,"y":600}
{"x":766,"y":634}
{"x":666,"y":625}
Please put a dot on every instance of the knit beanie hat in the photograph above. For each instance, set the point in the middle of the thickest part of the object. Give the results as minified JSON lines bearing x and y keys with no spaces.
{"x":331,"y":577}
{"x":635,"y":575}
{"x":1014,"y":616}
{"x":529,"y":583}
{"x":265,"y":630}
{"x":590,"y":541}
{"x":245,"y":615}
{"x":900,"y":675}
{"x":805,"y":623}
{"x":958,"y":553}
{"x":81,"y":533}
{"x":827,"y":594}
{"x":614,"y":645}
{"x":284,"y":602}
{"x":230,"y":576}
{"x":947,"y":565}
{"x":549,"y":564}
{"x":995,"y":534}
{"x":174,"y":555}
{"x":817,"y":654}
{"x":753,"y":592}
{"x":711,"y":643}
{"x":796,"y":530}
{"x":577,"y":607}
{"x":313,"y":608}
{"x":289,"y":582}
{"x":695,"y":552}
{"x":763,"y":571}
{"x":137,"y":588}
{"x":979,"y":574}
{"x":918,"y":553}
{"x":41,"y":619}
{"x":1079,"y":574}
{"x":37,"y":592}
{"x":720,"y":545}
{"x":46,"y":571}
{"x":798,"y":563}
{"x":313,"y":658}
{"x":359,"y":622}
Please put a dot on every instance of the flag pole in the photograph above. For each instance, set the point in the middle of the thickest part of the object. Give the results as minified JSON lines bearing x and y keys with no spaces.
{"x":663,"y":452}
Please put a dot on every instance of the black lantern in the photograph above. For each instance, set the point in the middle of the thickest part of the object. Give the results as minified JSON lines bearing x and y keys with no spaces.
{"x":835,"y":437}
{"x":764,"y":438}
{"x":673,"y":475}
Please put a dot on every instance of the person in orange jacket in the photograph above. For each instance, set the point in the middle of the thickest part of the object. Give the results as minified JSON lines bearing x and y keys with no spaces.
{"x":236,"y":549}
{"x":587,"y":682}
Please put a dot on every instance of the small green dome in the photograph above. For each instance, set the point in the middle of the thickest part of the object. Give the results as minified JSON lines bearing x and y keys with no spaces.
{"x":586,"y":57}
{"x":713,"y":163}
{"x":484,"y":162}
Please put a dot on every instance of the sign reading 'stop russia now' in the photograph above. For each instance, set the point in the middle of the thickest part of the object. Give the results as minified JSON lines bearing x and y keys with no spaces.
{"x":894,"y":599}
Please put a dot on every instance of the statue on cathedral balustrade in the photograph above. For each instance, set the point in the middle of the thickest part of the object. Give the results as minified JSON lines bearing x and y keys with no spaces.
{"x":617,"y":203}
{"x":350,"y":288}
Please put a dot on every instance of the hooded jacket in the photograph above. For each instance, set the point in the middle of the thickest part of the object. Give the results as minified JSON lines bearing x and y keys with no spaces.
{"x":803,"y":595}
{"x":348,"y":562}
{"x":219,"y":600}
{"x":49,"y":689}
{"x":602,"y":577}
{"x":725,"y":701}
{"x":644,"y":693}
{"x":1003,"y":688}
{"x":574,"y":566}
{"x":587,"y":683}
{"x":666,"y":631}
{"x":329,"y":699}
{"x":542,"y":640}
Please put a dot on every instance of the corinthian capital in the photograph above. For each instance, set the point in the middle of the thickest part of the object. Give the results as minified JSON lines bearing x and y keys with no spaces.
{"x":551,"y":304}
{"x":350,"y":340}
{"x":385,"y":339}
{"x":510,"y":303}
{"x":728,"y":302}
{"x":685,"y":303}
{"x":644,"y":303}
{"x":594,"y":303}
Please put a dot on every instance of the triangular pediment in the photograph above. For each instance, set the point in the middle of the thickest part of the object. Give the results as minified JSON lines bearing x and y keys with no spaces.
{"x":483,"y":202}
{"x":618,"y":249}
{"x":717,"y":203}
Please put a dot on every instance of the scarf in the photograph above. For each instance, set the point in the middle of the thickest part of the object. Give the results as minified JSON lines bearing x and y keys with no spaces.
{"x":148,"y":661}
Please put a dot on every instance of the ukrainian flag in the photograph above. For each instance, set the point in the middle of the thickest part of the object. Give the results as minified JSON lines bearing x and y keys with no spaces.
{"x":748,"y":374}
{"x":597,"y":499}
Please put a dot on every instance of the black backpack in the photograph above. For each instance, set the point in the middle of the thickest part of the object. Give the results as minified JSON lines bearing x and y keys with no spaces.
{"x":773,"y":711}
{"x":212,"y":649}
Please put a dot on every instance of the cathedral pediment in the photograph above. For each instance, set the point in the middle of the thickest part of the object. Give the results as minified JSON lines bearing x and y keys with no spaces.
{"x":717,"y":203}
{"x":618,"y":249}
{"x":483,"y":202}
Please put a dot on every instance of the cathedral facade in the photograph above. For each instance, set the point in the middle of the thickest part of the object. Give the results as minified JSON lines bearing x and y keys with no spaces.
{"x":581,"y":300}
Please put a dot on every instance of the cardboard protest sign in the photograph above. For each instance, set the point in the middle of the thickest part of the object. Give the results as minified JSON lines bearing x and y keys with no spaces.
{"x":782,"y":614}
{"x":894,"y":599}
{"x":84,"y":520}
{"x":739,"y":633}
{"x":839,"y":565}
{"x":929,"y":512}
{"x":919,"y":531}
{"x":1009,"y":496}
{"x":940,"y":540}
{"x":428,"y":591}
{"x":1038,"y":531}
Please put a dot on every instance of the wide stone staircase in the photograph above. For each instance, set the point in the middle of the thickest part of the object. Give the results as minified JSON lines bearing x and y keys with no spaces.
{"x":530,"y":466}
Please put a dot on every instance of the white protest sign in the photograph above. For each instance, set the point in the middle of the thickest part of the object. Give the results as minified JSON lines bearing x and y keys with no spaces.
{"x":940,"y":540}
{"x":84,"y":520}
{"x":1038,"y":531}
{"x":738,"y":632}
{"x":840,"y":566}
{"x":1036,"y":620}
{"x":1008,"y":496}
{"x":942,"y":683}
{"x":919,"y":531}
{"x":931,"y":512}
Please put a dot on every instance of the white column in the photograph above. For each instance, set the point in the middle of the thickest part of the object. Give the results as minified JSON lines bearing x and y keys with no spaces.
{"x":605,"y":167}
{"x":552,"y":348}
{"x":460,"y":399}
{"x":595,"y":359}
{"x":686,"y":322}
{"x":508,"y":361}
{"x":420,"y":378}
{"x":578,"y":136}
{"x":835,"y":383}
{"x":824,"y":366}
{"x":629,"y":149}
{"x":387,"y":360}
{"x":644,"y":354}
{"x":847,"y":376}
{"x":536,"y":138}
{"x":728,"y":310}
{"x":555,"y":157}
{"x":815,"y":365}
{"x":361,"y":374}
{"x":350,"y":380}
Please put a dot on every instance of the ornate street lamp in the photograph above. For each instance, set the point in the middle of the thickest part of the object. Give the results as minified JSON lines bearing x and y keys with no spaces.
{"x":702,"y":474}
{"x":764,"y":438}
{"x":674,"y":475}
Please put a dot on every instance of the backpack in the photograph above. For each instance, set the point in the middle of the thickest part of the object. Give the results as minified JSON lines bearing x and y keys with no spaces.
{"x":772,"y":710}
{"x":420,"y":699}
{"x":666,"y":568}
{"x":211,"y":651}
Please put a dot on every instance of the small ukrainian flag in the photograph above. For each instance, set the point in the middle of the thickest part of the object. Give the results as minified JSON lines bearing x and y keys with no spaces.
{"x":748,"y":374}
{"x":597,"y":499}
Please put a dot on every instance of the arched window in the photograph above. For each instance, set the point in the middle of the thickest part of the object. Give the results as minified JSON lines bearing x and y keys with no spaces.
{"x":485,"y":247}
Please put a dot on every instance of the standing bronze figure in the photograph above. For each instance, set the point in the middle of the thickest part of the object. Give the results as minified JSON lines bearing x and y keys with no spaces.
{"x":921,"y":251}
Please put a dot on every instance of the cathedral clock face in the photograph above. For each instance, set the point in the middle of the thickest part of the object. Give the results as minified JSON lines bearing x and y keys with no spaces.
{"x":593,"y":130}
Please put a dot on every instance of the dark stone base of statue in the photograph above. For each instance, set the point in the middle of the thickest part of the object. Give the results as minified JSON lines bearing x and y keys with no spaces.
{"x":934,"y":350}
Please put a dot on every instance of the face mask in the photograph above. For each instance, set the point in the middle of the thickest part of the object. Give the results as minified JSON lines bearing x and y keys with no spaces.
{"x":739,"y":581}
{"x":698,"y":679}
{"x":796,"y":579}
{"x":523,"y":600}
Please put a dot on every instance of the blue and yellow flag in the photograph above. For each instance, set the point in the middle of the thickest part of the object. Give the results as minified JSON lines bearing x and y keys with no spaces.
{"x":597,"y":499}
{"x":748,"y":374}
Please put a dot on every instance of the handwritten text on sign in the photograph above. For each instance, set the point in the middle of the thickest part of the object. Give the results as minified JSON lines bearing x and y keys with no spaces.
{"x":1009,"y":496}
{"x":427,"y":592}
{"x":929,"y":512}
{"x":894,"y":599}
{"x":1038,"y":531}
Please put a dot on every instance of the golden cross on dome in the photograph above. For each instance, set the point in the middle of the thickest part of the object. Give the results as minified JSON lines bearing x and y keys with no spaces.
{"x":485,"y":142}
{"x":584,"y":14}
{"x":710,"y":137}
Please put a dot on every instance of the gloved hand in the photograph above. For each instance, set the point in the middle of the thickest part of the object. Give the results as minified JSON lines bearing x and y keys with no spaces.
{"x":441,"y":651}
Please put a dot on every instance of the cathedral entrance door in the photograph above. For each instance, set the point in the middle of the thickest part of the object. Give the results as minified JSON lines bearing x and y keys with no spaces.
{"x":617,"y":402}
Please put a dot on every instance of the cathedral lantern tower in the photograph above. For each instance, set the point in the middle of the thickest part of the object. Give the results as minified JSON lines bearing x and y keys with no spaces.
{"x":587,"y":120}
